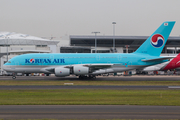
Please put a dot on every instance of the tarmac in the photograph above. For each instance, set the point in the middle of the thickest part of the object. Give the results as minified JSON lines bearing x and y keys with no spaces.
{"x":90,"y":111}
{"x":99,"y":78}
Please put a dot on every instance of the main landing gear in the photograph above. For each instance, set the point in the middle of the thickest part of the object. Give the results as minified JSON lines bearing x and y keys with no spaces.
{"x":87,"y":77}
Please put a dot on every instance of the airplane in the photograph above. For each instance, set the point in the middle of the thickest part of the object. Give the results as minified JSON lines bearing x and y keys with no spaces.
{"x":91,"y":64}
{"x":169,"y":65}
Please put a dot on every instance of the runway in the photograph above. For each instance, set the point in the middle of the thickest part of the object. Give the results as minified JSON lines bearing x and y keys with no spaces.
{"x":39,"y":87}
{"x":89,"y":112}
{"x":99,"y":78}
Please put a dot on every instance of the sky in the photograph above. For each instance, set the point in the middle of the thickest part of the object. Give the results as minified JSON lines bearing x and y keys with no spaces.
{"x":45,"y":18}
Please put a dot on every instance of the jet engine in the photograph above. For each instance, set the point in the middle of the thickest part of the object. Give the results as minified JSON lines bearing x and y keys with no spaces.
{"x":80,"y":70}
{"x":61,"y":71}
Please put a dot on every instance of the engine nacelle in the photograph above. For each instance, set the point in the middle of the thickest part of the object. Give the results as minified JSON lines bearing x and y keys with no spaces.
{"x":80,"y":70}
{"x":61,"y":71}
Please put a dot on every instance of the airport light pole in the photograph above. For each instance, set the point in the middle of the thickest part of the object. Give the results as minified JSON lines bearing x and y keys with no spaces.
{"x":7,"y":47}
{"x":95,"y":40}
{"x":113,"y":36}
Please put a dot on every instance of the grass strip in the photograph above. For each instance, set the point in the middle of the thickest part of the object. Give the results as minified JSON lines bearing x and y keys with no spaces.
{"x":90,"y":97}
{"x":89,"y":82}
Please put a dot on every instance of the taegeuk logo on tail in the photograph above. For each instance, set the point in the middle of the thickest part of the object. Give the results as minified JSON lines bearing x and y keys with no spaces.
{"x":157,"y":40}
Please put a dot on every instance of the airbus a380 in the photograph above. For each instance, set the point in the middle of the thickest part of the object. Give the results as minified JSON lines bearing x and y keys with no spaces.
{"x":91,"y":64}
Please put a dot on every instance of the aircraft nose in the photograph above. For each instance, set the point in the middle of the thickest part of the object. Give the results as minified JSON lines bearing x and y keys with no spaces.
{"x":5,"y":67}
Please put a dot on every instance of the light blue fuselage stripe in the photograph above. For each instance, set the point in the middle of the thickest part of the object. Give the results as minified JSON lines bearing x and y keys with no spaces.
{"x":81,"y":58}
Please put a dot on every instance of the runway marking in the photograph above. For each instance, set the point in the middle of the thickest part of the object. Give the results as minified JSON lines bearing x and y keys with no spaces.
{"x":68,"y":83}
{"x":174,"y":87}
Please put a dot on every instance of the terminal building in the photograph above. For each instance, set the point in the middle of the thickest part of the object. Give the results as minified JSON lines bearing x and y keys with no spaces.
{"x":123,"y":44}
{"x":13,"y":44}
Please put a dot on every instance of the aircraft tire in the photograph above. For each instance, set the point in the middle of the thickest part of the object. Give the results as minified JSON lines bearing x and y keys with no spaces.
{"x":92,"y":77}
{"x":47,"y":74}
{"x":80,"y":77}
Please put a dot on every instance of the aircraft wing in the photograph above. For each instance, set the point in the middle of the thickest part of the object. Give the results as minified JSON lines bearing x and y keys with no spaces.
{"x":156,"y":59}
{"x":94,"y":67}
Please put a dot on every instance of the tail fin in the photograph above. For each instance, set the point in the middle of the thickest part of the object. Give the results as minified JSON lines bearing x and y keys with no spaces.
{"x":155,"y":43}
{"x":178,"y":55}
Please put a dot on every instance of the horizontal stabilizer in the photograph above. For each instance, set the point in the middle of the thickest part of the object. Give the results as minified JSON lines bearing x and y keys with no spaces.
{"x":156,"y":59}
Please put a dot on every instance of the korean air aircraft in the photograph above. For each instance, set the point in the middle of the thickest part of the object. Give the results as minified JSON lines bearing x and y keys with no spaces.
{"x":92,"y":64}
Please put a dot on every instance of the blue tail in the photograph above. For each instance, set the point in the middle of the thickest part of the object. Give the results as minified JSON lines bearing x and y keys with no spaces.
{"x":155,"y":43}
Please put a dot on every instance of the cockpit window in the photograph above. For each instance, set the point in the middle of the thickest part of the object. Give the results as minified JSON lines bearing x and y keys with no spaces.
{"x":9,"y":61}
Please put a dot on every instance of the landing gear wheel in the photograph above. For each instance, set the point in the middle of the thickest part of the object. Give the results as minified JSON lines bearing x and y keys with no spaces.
{"x":14,"y":75}
{"x":80,"y":77}
{"x":92,"y":76}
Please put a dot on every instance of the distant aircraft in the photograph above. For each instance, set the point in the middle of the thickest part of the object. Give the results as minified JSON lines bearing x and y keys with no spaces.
{"x":92,"y":64}
{"x":172,"y":64}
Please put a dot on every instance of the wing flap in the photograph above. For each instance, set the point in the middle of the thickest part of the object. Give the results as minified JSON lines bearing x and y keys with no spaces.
{"x":98,"y":66}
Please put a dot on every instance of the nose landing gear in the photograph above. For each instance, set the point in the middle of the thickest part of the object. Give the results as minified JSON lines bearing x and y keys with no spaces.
{"x":14,"y":76}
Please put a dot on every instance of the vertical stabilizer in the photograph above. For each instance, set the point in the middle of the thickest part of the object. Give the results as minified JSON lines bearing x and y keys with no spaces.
{"x":155,"y":43}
